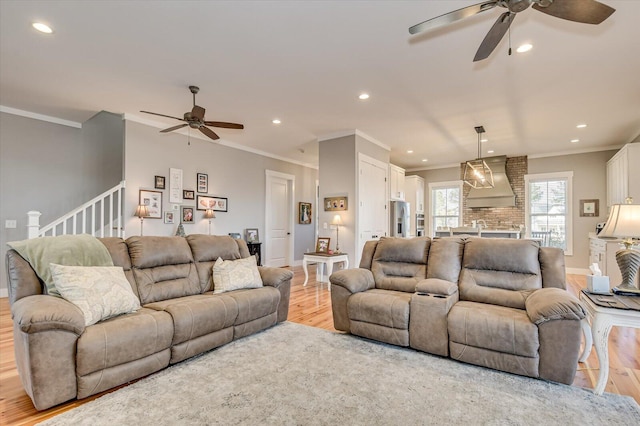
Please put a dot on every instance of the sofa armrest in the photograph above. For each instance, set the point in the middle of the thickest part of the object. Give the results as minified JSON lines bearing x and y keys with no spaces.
{"x":274,"y":277}
{"x":353,"y":280}
{"x":34,"y":314}
{"x":436,"y":286}
{"x":548,"y":304}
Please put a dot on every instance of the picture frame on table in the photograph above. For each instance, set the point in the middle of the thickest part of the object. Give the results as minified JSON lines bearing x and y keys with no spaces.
{"x":202,"y":181}
{"x":160,"y":182}
{"x":252,"y":235}
{"x":188,"y":194}
{"x":186,"y":214}
{"x":235,"y":235}
{"x":169,"y":217}
{"x":217,"y":204}
{"x":153,"y":201}
{"x":589,"y":208}
{"x":304,"y":213}
{"x":322,"y":246}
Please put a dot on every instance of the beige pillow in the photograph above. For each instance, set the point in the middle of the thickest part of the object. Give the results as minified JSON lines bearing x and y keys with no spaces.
{"x":231,"y":275}
{"x":100,"y":292}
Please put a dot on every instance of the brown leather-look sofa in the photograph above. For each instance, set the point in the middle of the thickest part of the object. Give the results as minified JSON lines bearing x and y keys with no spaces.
{"x":59,"y":359}
{"x":494,"y":302}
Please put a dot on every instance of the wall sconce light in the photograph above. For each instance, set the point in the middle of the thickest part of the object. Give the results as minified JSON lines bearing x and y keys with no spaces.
{"x":337,"y":221}
{"x":209,"y":214}
{"x":142,"y":211}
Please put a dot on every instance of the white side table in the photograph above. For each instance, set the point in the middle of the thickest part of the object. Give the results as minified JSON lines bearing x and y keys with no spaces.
{"x":602,"y":319}
{"x":323,"y":259}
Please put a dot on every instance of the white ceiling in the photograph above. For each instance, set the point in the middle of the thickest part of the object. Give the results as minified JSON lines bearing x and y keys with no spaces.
{"x":305,"y":62}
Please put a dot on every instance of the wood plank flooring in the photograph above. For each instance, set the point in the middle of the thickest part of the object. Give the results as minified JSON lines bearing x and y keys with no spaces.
{"x":311,"y":305}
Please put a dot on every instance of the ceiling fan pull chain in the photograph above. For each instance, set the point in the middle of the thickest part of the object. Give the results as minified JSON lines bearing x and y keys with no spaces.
{"x":509,"y":41}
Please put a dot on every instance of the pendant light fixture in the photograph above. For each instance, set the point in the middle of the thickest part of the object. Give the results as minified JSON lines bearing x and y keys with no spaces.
{"x":477,"y":174}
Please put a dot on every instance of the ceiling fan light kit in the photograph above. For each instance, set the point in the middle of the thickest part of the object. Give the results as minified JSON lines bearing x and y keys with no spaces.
{"x":582,"y":11}
{"x":477,"y":174}
{"x":195,"y":119}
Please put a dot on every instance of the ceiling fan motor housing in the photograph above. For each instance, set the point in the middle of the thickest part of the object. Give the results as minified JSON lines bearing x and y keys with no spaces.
{"x":516,"y":6}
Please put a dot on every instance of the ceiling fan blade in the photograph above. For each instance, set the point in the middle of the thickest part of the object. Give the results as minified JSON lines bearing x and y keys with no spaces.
{"x":494,"y":36}
{"x":197,"y":112}
{"x":451,"y":17}
{"x":171,"y":129}
{"x":207,"y":131}
{"x":162,"y":115}
{"x":583,"y":11}
{"x":224,"y":125}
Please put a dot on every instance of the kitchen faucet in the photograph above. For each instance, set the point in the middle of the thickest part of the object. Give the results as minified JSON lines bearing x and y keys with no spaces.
{"x":483,"y":224}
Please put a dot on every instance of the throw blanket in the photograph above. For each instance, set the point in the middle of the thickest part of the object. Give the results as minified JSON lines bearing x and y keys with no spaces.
{"x":72,"y":250}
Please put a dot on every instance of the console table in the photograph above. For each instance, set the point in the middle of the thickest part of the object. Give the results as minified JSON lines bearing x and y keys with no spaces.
{"x":605,"y":311}
{"x":325,"y":260}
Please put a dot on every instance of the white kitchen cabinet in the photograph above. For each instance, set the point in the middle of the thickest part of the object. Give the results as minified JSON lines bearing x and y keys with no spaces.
{"x":623,"y":175}
{"x":396,"y":182}
{"x":414,"y":193}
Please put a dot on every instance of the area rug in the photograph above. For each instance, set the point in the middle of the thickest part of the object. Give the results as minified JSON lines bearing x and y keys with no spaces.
{"x":292,"y":374}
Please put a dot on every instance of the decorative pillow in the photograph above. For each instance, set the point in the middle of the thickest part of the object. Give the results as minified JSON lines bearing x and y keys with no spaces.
{"x":100,"y":292}
{"x":236,"y":274}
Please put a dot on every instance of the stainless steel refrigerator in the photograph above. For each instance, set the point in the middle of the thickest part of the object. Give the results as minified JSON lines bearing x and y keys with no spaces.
{"x":400,"y":222}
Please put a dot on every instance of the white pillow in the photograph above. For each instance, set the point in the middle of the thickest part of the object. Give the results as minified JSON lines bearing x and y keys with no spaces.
{"x":236,"y":274}
{"x":100,"y":292}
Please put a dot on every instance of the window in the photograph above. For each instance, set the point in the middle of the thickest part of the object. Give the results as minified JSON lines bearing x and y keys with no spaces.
{"x":548,"y":209}
{"x":445,"y":201}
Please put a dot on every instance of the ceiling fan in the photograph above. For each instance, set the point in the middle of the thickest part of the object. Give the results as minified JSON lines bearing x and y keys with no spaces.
{"x":195,"y":119}
{"x":583,"y":11}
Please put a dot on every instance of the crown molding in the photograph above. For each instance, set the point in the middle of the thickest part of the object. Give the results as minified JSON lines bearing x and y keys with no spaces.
{"x":41,"y":117}
{"x":353,"y":132}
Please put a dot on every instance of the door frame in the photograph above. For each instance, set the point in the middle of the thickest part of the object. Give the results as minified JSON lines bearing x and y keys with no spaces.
{"x":291,"y":184}
{"x":384,"y":166}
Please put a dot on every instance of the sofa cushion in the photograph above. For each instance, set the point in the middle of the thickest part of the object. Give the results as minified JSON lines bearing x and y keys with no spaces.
{"x":119,"y":252}
{"x":399,"y":263}
{"x":231,"y":275}
{"x":383,"y":307}
{"x":255,"y":303}
{"x":445,"y":258}
{"x":100,"y":292}
{"x":208,"y":248}
{"x":496,"y":328}
{"x":499,"y":271}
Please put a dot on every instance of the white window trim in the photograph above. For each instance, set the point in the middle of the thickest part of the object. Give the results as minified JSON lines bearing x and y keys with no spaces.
{"x":437,"y":185}
{"x":527,"y":208}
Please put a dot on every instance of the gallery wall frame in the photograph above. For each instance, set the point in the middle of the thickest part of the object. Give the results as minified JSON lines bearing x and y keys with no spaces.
{"x":217,"y":204}
{"x":153,"y":201}
{"x":202,"y":182}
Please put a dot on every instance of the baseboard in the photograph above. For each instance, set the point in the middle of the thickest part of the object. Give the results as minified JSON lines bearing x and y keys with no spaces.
{"x":297,"y":263}
{"x":578,"y":271}
{"x":4,"y":292}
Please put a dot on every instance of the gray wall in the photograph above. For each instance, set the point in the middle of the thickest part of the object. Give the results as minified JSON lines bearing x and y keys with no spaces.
{"x":53,"y":168}
{"x":237,"y":175}
{"x":589,"y":182}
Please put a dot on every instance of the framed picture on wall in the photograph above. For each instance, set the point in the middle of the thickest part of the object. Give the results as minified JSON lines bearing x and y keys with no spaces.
{"x":159,"y":182}
{"x":217,"y":204}
{"x":188,"y":194}
{"x":153,"y":201}
{"x":186,"y":214}
{"x":332,"y":204}
{"x":589,"y":208}
{"x":168,"y":217}
{"x":304,"y":213}
{"x":202,"y":180}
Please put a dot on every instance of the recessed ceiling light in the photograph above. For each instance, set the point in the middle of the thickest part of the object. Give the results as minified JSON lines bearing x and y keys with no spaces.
{"x":484,"y":140}
{"x":363,"y":96}
{"x":410,"y":151}
{"x":575,"y":140}
{"x":581,"y":126}
{"x":424,"y":160}
{"x":43,"y":28}
{"x":524,"y":48}
{"x":276,"y":121}
{"x":490,"y":151}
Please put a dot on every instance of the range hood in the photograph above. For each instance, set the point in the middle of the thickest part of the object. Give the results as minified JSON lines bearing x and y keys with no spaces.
{"x":501,"y":195}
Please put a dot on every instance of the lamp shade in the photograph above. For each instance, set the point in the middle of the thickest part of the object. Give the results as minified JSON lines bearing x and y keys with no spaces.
{"x":209,"y":214}
{"x":623,"y":222}
{"x":337,"y":220}
{"x":141,"y":211}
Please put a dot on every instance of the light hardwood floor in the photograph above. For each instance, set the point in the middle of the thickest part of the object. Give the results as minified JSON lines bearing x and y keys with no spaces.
{"x":311,"y":305}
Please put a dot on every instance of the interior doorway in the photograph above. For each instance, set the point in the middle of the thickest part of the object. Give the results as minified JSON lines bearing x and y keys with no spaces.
{"x":279,"y":214}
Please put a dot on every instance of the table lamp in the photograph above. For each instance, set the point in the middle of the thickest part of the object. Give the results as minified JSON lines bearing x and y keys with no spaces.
{"x":337,"y":221}
{"x":209,"y":214}
{"x":624,"y":222}
{"x":142,"y":211}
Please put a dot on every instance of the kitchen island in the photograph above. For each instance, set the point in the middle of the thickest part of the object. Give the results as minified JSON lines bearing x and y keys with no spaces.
{"x":487,"y":233}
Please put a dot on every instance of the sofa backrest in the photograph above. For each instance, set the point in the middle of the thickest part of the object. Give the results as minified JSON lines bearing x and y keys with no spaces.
{"x":400,"y":263}
{"x":499,"y":271}
{"x":120,"y":255}
{"x":163,"y":268}
{"x":445,"y":258}
{"x":206,"y":249}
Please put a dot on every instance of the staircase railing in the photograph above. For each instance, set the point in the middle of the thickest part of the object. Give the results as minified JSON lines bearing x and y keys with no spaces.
{"x":100,"y":217}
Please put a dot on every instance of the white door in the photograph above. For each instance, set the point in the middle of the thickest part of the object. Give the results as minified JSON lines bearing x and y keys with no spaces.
{"x":373,"y":218}
{"x":278,"y":219}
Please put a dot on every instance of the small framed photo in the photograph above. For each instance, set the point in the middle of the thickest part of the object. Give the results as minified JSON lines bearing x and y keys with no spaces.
{"x":188,"y":194}
{"x":252,"y":235}
{"x":168,"y":217}
{"x":589,"y":208}
{"x":160,"y":182}
{"x":217,"y":204}
{"x":235,"y":235}
{"x":304,"y":213}
{"x":335,"y":204}
{"x":322,"y":246}
{"x":202,"y":181}
{"x":153,"y":201}
{"x":186,"y":214}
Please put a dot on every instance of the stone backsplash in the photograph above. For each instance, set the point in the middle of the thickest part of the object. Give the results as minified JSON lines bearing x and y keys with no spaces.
{"x":500,"y":217}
